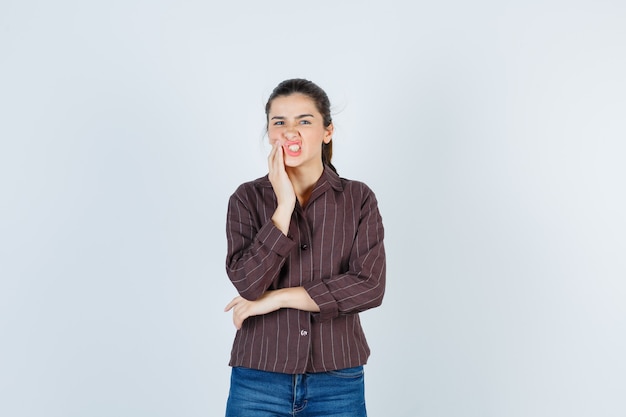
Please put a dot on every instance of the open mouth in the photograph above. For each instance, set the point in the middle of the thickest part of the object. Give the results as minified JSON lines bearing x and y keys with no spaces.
{"x":293,"y":148}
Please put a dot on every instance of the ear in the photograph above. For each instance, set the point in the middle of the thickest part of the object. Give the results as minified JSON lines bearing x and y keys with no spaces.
{"x":328,"y":134}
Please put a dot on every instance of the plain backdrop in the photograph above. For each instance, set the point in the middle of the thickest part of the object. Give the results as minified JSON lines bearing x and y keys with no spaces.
{"x":492,"y":132}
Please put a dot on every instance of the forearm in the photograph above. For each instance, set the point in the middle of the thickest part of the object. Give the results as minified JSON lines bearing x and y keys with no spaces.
{"x":362,"y":285}
{"x":273,"y":300}
{"x":253,"y":263}
{"x":282,"y":217}
{"x":295,"y":297}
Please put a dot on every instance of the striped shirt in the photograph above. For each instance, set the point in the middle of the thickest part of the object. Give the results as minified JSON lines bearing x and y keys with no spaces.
{"x":334,"y":249}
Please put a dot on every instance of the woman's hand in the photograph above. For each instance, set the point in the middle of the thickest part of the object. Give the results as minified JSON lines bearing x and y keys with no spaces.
{"x":283,"y":188}
{"x":242,"y":308}
{"x":294,"y":297}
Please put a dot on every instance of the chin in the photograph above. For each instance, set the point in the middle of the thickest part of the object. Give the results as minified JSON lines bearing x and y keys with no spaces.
{"x":292,"y":165}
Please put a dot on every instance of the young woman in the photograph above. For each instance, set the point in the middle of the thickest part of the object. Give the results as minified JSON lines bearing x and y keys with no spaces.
{"x":306,"y":254}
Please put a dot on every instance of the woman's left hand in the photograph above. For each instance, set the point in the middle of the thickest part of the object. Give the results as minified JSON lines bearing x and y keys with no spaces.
{"x":242,"y":308}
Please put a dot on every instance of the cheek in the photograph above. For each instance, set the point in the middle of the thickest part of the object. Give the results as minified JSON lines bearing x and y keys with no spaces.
{"x":272,"y":135}
{"x":273,"y":139}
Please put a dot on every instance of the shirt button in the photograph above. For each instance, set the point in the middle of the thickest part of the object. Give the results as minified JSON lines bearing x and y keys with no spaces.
{"x":304,"y":246}
{"x":303,"y":332}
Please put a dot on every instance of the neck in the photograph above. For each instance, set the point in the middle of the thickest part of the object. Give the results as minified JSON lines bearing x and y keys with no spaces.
{"x":303,"y":181}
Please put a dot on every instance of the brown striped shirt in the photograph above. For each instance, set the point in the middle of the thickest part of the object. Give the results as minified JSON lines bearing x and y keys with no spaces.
{"x":334,"y":249}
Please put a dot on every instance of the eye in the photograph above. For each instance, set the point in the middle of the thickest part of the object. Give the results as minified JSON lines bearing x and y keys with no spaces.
{"x":279,"y":123}
{"x":305,"y":122}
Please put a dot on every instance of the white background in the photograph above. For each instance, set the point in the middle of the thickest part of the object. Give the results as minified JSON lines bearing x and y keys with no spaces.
{"x":492,"y":132}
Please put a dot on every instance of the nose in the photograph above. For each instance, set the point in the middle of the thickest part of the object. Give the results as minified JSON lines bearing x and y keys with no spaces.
{"x":290,"y":132}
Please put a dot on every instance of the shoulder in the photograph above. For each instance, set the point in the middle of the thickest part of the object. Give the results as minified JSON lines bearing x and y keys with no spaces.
{"x":252,"y":186}
{"x":345,"y":184}
{"x":356,"y":185}
{"x":354,"y":189}
{"x":250,"y":189}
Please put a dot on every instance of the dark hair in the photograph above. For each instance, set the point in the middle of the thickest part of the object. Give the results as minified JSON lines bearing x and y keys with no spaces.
{"x":322,"y":103}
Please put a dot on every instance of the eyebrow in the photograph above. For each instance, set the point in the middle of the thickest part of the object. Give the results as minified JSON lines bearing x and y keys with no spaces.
{"x":297,"y":117}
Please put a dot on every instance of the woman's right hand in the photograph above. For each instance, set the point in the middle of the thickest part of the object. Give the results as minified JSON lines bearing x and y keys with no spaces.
{"x":283,"y":188}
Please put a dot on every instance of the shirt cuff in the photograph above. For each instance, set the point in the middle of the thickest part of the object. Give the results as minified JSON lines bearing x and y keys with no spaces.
{"x":324,"y":300}
{"x":270,"y":236}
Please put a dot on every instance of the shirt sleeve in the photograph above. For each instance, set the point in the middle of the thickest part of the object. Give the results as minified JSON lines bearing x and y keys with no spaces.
{"x":255,"y":254}
{"x":363,"y":286}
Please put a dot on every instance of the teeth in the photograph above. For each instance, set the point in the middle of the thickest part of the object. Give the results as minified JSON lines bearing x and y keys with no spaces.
{"x":294,"y":148}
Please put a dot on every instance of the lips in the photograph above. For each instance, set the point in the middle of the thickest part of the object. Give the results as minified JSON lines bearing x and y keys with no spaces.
{"x":292,"y":148}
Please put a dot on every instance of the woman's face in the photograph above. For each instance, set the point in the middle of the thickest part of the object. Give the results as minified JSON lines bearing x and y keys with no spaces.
{"x":296,"y":124}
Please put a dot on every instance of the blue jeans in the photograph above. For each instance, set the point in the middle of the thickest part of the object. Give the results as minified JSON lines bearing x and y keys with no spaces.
{"x":256,"y":393}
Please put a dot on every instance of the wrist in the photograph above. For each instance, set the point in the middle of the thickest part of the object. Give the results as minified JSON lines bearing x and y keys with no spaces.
{"x":282,"y":217}
{"x":295,"y":297}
